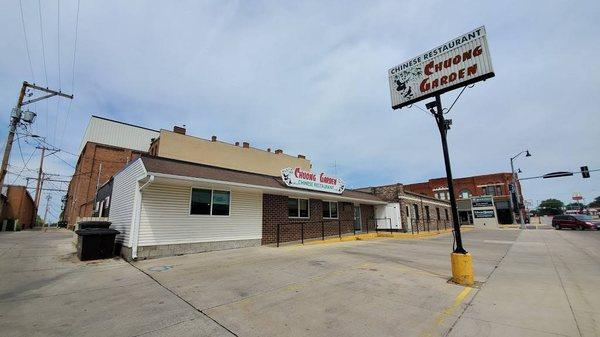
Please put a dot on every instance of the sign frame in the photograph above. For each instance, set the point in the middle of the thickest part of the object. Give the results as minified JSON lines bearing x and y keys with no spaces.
{"x":418,"y":61}
{"x":307,"y":180}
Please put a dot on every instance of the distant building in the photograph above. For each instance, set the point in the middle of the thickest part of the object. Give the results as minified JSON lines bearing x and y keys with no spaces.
{"x":19,"y":208}
{"x":407,"y":211}
{"x":495,"y":184}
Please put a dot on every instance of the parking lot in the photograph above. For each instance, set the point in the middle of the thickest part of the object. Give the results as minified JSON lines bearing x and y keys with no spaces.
{"x":531,"y":283}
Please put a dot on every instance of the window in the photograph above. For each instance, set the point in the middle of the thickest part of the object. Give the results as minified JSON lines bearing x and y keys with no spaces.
{"x":437,"y":212}
{"x":298,"y":208}
{"x":492,"y":190}
{"x":330,"y":210}
{"x":446,"y":212}
{"x":209,"y":202}
{"x":465,"y":194}
{"x":442,"y":195}
{"x":416,"y":209}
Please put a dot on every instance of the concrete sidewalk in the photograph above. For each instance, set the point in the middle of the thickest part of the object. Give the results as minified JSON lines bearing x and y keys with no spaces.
{"x":545,"y":286}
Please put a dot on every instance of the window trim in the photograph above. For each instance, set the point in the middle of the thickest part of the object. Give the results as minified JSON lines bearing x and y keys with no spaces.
{"x":299,"y":217}
{"x":337,"y":207}
{"x":211,"y":202}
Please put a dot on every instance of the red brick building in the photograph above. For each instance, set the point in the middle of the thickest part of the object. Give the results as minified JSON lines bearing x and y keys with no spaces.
{"x":97,"y":163}
{"x":19,"y":206}
{"x":495,"y":184}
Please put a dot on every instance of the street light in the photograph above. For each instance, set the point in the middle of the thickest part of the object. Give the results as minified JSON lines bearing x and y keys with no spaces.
{"x":512,"y":169}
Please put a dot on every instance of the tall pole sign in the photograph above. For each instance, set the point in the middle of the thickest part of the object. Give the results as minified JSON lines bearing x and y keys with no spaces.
{"x":454,"y":64}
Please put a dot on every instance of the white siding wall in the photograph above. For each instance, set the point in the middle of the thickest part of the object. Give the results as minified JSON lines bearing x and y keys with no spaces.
{"x":117,"y":134}
{"x":165,"y":217}
{"x":125,"y":187}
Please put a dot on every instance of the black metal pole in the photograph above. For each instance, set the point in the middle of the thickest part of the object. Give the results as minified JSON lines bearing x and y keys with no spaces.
{"x":441,"y":122}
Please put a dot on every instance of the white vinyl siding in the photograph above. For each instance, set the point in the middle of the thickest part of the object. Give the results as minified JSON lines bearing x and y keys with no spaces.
{"x":125,"y":187}
{"x":165,"y":217}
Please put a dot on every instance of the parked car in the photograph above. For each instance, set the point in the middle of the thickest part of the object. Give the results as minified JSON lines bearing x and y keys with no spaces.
{"x":575,"y":221}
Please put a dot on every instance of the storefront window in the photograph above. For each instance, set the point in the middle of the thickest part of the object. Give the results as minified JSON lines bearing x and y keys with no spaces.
{"x":297,"y":208}
{"x":209,"y":202}
{"x":330,"y":210}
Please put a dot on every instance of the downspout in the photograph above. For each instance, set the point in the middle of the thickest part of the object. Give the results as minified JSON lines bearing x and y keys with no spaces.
{"x":136,"y":223}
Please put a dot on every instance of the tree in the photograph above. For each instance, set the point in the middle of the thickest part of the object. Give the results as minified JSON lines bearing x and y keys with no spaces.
{"x":595,"y":203}
{"x":551,"y":207}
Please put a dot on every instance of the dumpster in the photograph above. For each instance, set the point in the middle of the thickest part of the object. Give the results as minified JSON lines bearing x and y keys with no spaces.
{"x":93,"y":224}
{"x":95,"y":243}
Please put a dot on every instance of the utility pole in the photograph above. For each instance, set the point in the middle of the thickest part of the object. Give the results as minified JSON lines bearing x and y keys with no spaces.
{"x":39,"y":183}
{"x":16,"y":117}
{"x":48,"y":198}
{"x":40,"y":179}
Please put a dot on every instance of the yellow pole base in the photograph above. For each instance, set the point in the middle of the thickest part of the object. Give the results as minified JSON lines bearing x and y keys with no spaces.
{"x":462,"y":269}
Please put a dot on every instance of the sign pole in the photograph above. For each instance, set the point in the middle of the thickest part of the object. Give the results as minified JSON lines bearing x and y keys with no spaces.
{"x":443,"y":126}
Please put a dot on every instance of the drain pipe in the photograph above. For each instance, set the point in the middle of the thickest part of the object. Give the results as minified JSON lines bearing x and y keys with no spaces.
{"x":137,"y":213}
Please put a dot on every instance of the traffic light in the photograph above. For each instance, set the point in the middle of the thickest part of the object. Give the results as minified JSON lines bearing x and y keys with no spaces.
{"x":585,"y":172}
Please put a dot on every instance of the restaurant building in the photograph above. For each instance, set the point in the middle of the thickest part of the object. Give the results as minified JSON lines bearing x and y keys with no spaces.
{"x":165,"y":206}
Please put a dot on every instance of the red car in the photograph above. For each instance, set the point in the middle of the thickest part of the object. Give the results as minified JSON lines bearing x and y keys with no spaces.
{"x":575,"y":221}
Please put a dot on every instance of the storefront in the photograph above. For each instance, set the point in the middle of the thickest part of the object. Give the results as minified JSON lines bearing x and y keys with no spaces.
{"x":168,"y":207}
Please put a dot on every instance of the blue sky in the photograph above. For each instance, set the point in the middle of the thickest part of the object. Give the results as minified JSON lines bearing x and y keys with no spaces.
{"x":310,"y":77}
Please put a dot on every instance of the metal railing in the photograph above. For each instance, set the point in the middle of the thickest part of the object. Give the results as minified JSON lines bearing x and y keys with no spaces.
{"x":314,"y":228}
{"x":428,"y":225}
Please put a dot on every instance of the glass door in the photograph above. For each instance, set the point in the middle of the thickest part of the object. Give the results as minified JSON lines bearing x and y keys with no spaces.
{"x":357,"y":220}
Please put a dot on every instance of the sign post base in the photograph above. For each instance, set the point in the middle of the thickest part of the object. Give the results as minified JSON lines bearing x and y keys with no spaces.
{"x":462,"y":269}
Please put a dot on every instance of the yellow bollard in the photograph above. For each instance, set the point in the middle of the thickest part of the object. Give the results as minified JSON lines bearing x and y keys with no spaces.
{"x":462,"y":269}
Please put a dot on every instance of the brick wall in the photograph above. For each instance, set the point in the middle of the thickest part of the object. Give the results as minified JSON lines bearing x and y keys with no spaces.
{"x":468,"y":183}
{"x":19,"y":206}
{"x":82,"y":188}
{"x":275,"y":212}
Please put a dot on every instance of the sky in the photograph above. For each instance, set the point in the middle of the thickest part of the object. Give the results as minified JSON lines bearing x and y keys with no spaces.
{"x":310,"y":77}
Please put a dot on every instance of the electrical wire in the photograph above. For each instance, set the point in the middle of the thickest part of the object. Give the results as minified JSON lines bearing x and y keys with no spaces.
{"x":57,"y":116}
{"x":43,"y":54}
{"x":26,"y":41}
{"x":72,"y":73}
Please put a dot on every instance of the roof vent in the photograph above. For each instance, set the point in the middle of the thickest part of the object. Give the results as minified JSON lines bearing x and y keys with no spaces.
{"x":178,"y":129}
{"x":213,"y":138}
{"x":278,"y":151}
{"x":301,"y":156}
{"x":246,"y":145}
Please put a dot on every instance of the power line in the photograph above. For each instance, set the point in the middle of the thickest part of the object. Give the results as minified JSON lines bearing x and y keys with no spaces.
{"x":56,"y":117}
{"x":43,"y":46}
{"x":26,"y":40}
{"x":72,"y":72}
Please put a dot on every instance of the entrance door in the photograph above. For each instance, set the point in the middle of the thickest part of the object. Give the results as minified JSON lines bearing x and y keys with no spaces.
{"x":357,"y":222}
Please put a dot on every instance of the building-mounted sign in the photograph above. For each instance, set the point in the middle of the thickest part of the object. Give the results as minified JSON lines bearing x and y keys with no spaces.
{"x":485,"y":201}
{"x":296,"y":177}
{"x":456,"y":63}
